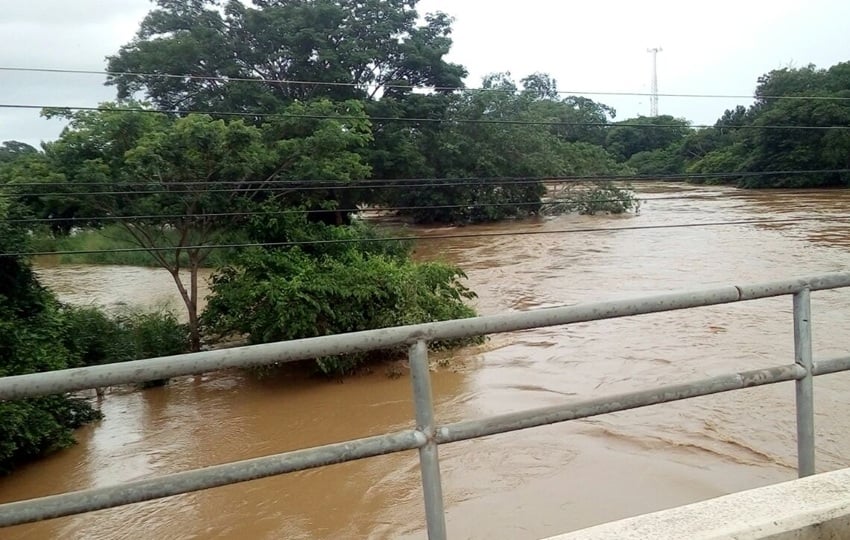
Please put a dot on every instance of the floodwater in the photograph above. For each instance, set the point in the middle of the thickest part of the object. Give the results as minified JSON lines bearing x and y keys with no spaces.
{"x":522,"y":485}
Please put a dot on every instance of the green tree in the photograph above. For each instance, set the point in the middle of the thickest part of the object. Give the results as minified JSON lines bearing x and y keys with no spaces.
{"x":500,"y":133}
{"x":363,"y":48}
{"x":662,"y":161}
{"x":31,"y":340}
{"x":796,"y":124}
{"x":146,"y":164}
{"x":374,"y":51}
{"x":645,"y":134}
{"x":168,"y":181}
{"x":573,"y":118}
{"x":34,"y":184}
{"x":12,"y":150}
{"x":319,"y":144}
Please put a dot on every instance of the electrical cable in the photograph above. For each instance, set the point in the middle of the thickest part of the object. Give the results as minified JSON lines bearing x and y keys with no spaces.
{"x":477,"y":121}
{"x":436,"y":182}
{"x":195,"y":217}
{"x":426,"y":238}
{"x":262,"y":80}
{"x":370,"y":183}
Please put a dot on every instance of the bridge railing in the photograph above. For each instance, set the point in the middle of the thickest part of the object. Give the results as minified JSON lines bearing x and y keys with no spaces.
{"x":427,"y":435}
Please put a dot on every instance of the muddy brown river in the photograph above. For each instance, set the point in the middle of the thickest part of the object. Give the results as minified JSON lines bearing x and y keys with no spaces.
{"x":523,"y":485}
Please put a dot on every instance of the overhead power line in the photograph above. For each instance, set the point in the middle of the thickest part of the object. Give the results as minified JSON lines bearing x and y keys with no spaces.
{"x":273,"y":189}
{"x":371,"y":183}
{"x":295,"y":82}
{"x":428,"y":238}
{"x":305,"y":186}
{"x":474,"y":121}
{"x":200,"y":216}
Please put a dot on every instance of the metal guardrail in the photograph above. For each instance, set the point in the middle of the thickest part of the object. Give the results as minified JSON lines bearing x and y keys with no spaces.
{"x":427,"y":435}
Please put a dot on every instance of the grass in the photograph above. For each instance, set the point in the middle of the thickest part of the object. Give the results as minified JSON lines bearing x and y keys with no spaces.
{"x":103,"y":242}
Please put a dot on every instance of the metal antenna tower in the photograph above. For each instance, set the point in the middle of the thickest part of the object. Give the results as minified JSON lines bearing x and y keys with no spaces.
{"x":653,"y":107}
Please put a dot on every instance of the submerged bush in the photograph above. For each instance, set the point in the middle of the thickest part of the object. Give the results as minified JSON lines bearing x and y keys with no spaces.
{"x":97,"y":338}
{"x":598,"y":198}
{"x":277,"y":295}
{"x":31,"y":340}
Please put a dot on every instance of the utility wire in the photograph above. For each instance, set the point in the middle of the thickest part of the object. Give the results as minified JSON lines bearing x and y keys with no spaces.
{"x":260,"y":188}
{"x":195,"y":217}
{"x":436,"y":182}
{"x":370,"y":183}
{"x":476,"y":121}
{"x":294,"y":82}
{"x":426,"y":238}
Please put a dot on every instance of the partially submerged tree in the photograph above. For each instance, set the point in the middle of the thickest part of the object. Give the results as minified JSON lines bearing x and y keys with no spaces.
{"x":500,"y":143}
{"x":182,"y":186}
{"x":164,"y":181}
{"x":31,"y":340}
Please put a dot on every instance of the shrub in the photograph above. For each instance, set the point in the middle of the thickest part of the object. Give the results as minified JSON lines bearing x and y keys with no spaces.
{"x":31,"y":340}
{"x":96,"y":338}
{"x":277,"y":295}
{"x":599,"y":198}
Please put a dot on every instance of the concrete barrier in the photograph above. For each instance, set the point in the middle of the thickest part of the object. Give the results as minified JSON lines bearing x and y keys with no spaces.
{"x":813,"y":507}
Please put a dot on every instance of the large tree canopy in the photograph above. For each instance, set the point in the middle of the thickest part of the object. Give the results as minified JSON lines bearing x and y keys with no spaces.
{"x":12,"y":150}
{"x":357,"y":48}
{"x":496,"y":141}
{"x":798,"y":123}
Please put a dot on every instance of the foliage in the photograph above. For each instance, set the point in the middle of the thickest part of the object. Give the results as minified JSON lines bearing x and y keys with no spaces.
{"x":756,"y":140}
{"x":597,"y":198}
{"x":93,"y":337}
{"x":190,"y":182}
{"x":368,"y":44}
{"x":31,"y":334}
{"x":661,"y":161}
{"x":645,"y":134}
{"x":318,"y":146}
{"x":372,"y":52}
{"x":34,"y":427}
{"x":281,"y":294}
{"x":13,"y":150}
{"x":494,"y":136}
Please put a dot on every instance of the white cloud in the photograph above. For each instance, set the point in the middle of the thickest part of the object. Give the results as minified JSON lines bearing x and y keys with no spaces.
{"x":64,"y":13}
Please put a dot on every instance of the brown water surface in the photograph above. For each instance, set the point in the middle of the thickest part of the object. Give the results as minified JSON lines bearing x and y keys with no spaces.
{"x":522,"y":485}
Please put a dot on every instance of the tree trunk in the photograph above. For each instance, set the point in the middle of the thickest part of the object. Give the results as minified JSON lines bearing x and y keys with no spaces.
{"x":190,"y":300}
{"x":194,"y":324}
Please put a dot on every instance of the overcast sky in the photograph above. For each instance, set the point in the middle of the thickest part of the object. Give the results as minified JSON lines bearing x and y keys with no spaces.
{"x":715,"y":47}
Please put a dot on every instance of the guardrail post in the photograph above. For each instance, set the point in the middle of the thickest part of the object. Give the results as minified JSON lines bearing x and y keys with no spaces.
{"x":429,"y":462}
{"x":804,"y":386}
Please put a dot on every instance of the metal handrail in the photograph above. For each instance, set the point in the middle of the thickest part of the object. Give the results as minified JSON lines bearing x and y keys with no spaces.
{"x":427,"y":435}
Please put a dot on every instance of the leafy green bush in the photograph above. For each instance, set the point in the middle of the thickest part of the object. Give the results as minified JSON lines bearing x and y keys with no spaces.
{"x":94,"y":338}
{"x":468,"y":201}
{"x":33,"y":427}
{"x":599,"y":198}
{"x":277,"y":295}
{"x":31,"y":340}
